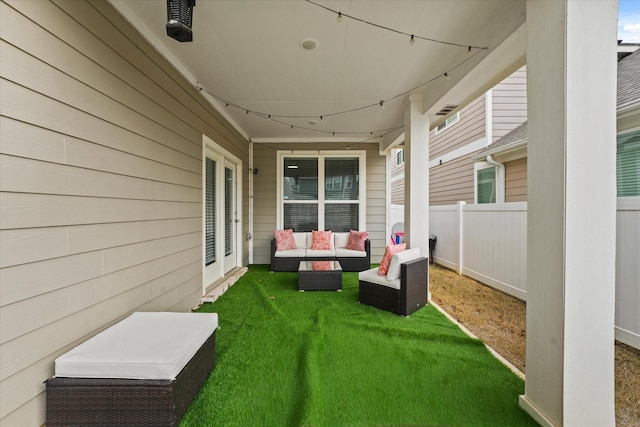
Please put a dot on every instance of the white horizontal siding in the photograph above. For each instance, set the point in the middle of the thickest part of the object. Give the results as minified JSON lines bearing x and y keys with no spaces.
{"x":509,"y":103}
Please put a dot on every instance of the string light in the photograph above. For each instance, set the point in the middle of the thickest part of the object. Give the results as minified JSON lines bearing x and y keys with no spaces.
{"x":412,"y":41}
{"x":447,"y":76}
{"x":469,"y":50}
{"x":382,"y":104}
{"x":382,"y":27}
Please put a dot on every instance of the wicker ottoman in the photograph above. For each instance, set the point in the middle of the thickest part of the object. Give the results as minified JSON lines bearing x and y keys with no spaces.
{"x":143,"y":371}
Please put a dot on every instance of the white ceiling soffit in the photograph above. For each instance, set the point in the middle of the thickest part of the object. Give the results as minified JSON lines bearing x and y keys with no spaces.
{"x":250,"y":55}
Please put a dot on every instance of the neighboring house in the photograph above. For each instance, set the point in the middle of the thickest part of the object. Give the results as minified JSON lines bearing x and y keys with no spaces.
{"x":479,"y":154}
{"x":456,"y":142}
{"x":511,"y":150}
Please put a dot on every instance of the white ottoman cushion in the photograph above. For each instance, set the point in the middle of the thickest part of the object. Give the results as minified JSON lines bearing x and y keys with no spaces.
{"x":142,"y":346}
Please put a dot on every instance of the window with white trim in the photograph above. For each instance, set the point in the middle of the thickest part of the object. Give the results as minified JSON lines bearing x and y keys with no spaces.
{"x":486,"y":185}
{"x":450,"y":121}
{"x":400,"y":157}
{"x":321,"y":191}
{"x":628,"y":164}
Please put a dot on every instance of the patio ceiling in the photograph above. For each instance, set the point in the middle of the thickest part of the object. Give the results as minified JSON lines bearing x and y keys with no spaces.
{"x":248,"y":54}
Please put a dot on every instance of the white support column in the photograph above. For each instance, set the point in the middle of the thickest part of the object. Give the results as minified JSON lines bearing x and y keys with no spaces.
{"x":571,"y":86}
{"x":416,"y":175}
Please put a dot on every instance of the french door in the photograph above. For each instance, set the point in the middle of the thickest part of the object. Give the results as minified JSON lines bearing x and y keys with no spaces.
{"x":221,"y":216}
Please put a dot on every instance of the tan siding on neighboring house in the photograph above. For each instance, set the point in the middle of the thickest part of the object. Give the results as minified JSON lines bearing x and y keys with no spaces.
{"x":470,"y":128}
{"x":100,"y":186}
{"x":516,"y":180}
{"x":396,"y":169}
{"x":397,"y":191}
{"x":265,"y":184}
{"x":452,"y":182}
{"x":509,"y":103}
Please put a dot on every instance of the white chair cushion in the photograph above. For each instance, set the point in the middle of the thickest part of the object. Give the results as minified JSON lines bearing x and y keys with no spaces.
{"x":344,"y":252}
{"x":340,"y":240}
{"x":400,"y":258}
{"x":372,"y":276}
{"x":301,"y":240}
{"x":291,"y":253}
{"x":142,"y":346}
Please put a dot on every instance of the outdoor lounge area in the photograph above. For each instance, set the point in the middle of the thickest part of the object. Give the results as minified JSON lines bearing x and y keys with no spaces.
{"x":150,"y":148}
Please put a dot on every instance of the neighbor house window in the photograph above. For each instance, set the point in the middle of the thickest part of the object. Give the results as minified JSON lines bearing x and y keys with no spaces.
{"x":400,"y":157}
{"x":486,"y":185}
{"x":628,"y":164}
{"x":321,"y":192}
{"x":450,"y":121}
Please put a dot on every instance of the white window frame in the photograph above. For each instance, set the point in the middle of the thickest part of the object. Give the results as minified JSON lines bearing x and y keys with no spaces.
{"x":618,"y":135}
{"x":400,"y":157}
{"x":449,"y":121}
{"x":361,"y":155}
{"x":500,"y":180}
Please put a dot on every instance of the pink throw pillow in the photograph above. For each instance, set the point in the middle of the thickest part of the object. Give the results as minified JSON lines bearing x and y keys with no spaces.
{"x":386,"y":258}
{"x":321,"y":265}
{"x":284,"y":240}
{"x":356,"y":240}
{"x":321,"y":240}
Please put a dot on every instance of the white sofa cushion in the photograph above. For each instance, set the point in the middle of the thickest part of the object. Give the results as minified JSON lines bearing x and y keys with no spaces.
{"x":400,"y":258}
{"x":291,"y":253}
{"x":372,"y":276}
{"x":320,"y":253}
{"x":344,"y":252}
{"x":142,"y":346}
{"x":340,"y":240}
{"x":301,"y":240}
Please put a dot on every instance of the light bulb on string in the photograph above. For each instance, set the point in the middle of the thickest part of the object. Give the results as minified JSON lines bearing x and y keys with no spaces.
{"x":321,"y":119}
{"x":412,"y":41}
{"x":339,"y":17}
{"x":382,"y":104}
{"x":469,"y":51}
{"x":447,"y":76}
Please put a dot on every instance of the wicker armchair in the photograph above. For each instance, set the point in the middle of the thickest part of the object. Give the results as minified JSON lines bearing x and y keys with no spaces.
{"x":412,"y":292}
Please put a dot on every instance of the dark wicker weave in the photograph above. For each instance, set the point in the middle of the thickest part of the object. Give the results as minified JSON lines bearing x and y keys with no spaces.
{"x":320,"y":280}
{"x":349,"y":264}
{"x":128,"y":402}
{"x":414,"y":279}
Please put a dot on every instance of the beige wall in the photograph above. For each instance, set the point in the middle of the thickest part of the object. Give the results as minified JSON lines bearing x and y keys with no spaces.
{"x":100,"y":186}
{"x":471,"y":127}
{"x":451,"y":182}
{"x":265,"y":184}
{"x":516,"y":180}
{"x":509,"y":103}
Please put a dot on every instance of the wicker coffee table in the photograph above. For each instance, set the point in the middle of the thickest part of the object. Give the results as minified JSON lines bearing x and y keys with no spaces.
{"x":320,"y":276}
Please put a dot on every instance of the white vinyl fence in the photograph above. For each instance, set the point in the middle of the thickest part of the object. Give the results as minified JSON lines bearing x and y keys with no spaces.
{"x":489,"y":243}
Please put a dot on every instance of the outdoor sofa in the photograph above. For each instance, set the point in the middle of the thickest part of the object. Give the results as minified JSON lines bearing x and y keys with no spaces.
{"x":350,"y":259}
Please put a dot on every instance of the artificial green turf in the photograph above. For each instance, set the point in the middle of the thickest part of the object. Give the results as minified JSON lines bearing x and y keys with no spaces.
{"x":289,"y":358}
